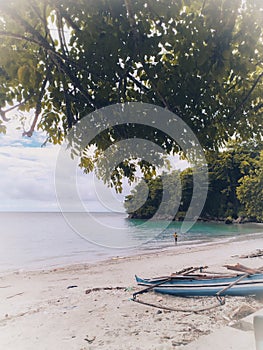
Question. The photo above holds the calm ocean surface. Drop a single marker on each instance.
(47, 240)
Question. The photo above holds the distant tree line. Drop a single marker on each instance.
(235, 188)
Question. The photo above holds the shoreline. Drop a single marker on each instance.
(222, 220)
(52, 242)
(185, 246)
(88, 306)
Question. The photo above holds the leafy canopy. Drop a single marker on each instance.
(250, 191)
(202, 60)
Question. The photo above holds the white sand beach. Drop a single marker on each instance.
(59, 308)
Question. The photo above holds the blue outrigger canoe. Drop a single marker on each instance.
(190, 286)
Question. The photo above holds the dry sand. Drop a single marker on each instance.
(55, 309)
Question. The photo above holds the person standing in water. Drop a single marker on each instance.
(175, 238)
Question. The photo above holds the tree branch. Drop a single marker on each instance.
(138, 83)
(3, 113)
(66, 16)
(162, 98)
(247, 96)
(36, 10)
(30, 132)
(234, 85)
(63, 37)
(257, 108)
(203, 7)
(61, 33)
(70, 117)
(36, 35)
(57, 58)
(75, 81)
(47, 32)
(18, 37)
(131, 17)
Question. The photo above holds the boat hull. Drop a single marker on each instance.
(250, 285)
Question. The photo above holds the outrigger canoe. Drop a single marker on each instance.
(250, 285)
(206, 285)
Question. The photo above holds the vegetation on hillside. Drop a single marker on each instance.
(235, 188)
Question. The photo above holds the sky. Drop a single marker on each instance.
(28, 177)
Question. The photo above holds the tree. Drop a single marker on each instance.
(159, 197)
(199, 59)
(250, 191)
(226, 168)
(235, 187)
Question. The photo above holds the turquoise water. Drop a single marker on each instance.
(46, 240)
(199, 233)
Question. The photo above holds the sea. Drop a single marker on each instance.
(40, 240)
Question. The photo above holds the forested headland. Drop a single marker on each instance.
(235, 190)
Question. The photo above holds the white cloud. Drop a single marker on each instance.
(26, 178)
(28, 182)
(28, 174)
